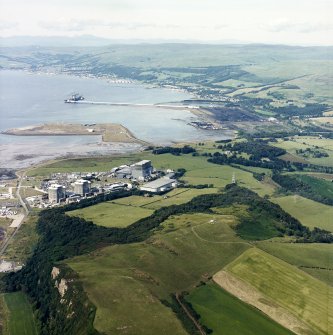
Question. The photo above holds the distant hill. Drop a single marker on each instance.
(94, 41)
(54, 41)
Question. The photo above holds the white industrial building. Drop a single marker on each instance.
(141, 170)
(56, 193)
(159, 185)
(116, 187)
(82, 187)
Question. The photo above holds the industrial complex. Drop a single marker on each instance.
(64, 188)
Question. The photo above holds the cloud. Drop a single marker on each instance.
(7, 25)
(221, 26)
(284, 25)
(68, 25)
(83, 25)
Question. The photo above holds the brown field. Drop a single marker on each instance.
(327, 119)
(325, 176)
(252, 296)
(281, 284)
(293, 158)
(328, 113)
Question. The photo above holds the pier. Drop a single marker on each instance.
(132, 104)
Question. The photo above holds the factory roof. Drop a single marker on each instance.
(142, 162)
(159, 183)
(125, 170)
(82, 181)
(55, 186)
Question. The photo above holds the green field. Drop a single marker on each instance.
(125, 282)
(221, 175)
(258, 227)
(325, 176)
(314, 143)
(319, 190)
(227, 315)
(310, 213)
(95, 164)
(251, 225)
(174, 197)
(324, 143)
(124, 303)
(109, 214)
(284, 284)
(322, 187)
(315, 259)
(22, 244)
(19, 316)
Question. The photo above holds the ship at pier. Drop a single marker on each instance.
(73, 98)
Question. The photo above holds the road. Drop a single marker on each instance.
(19, 220)
(18, 194)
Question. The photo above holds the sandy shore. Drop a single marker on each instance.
(110, 132)
(112, 139)
(22, 155)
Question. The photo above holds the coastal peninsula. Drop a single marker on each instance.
(110, 132)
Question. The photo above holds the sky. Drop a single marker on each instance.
(293, 22)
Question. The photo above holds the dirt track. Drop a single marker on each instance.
(196, 323)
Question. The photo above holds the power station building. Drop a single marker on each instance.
(56, 193)
(160, 185)
(141, 170)
(82, 187)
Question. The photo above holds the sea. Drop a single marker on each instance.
(35, 98)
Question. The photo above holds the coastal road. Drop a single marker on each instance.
(19, 220)
(18, 194)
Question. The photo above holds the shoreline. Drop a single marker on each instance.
(110, 132)
(199, 112)
(17, 154)
(21, 158)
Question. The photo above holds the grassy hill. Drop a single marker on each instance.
(297, 74)
(188, 249)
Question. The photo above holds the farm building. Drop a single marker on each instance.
(159, 185)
